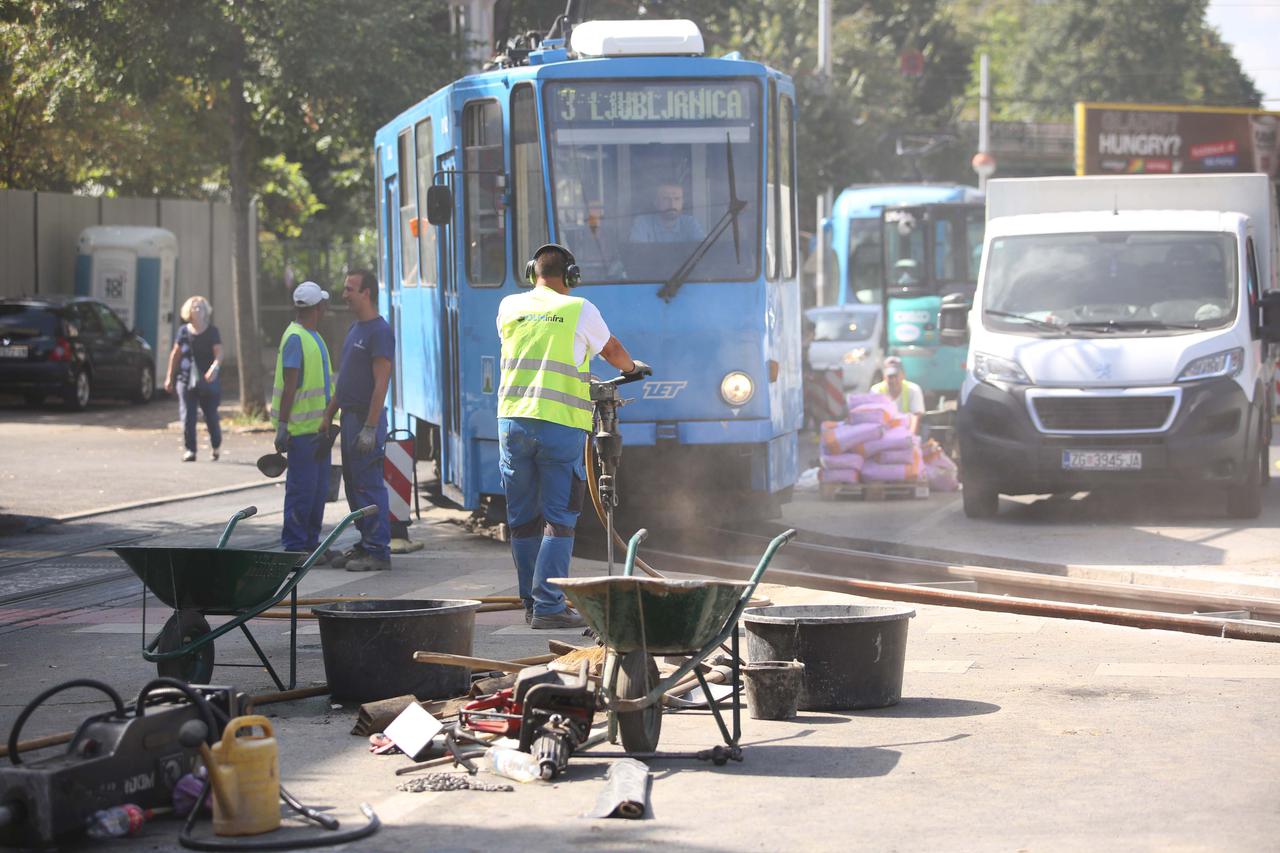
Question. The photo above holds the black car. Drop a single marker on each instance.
(74, 348)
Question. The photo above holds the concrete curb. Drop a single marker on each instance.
(221, 490)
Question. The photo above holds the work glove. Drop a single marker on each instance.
(641, 369)
(366, 440)
(282, 438)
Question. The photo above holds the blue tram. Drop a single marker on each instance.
(671, 176)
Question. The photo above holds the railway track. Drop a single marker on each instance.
(731, 554)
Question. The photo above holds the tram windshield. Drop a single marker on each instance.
(639, 163)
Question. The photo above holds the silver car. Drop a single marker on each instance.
(847, 338)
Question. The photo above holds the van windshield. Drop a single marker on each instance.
(1139, 282)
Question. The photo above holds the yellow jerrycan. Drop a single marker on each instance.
(246, 779)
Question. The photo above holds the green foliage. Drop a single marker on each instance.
(285, 200)
(1046, 56)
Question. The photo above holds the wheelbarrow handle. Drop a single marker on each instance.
(636, 538)
(366, 512)
(778, 541)
(240, 515)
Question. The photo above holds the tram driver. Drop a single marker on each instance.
(544, 415)
(670, 224)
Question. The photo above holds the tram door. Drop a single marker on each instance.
(452, 461)
(391, 275)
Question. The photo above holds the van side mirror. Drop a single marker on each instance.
(953, 319)
(1269, 309)
(439, 205)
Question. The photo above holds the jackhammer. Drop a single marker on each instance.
(608, 442)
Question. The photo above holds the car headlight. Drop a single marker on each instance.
(1226, 363)
(993, 369)
(855, 355)
(736, 388)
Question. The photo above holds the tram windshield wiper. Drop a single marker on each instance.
(730, 217)
(1039, 324)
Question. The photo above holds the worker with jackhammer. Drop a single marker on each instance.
(544, 416)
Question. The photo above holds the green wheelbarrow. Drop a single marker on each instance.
(202, 582)
(637, 618)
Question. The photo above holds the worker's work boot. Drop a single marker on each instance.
(368, 563)
(567, 618)
(340, 561)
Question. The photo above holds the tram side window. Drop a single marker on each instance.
(486, 220)
(787, 188)
(426, 232)
(975, 227)
(529, 198)
(771, 189)
(945, 251)
(408, 214)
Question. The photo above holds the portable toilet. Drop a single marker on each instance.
(132, 269)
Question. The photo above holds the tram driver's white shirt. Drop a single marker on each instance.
(590, 336)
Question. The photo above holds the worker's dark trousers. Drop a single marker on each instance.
(306, 486)
(365, 483)
(544, 478)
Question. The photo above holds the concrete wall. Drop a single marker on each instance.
(39, 233)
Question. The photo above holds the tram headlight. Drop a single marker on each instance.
(736, 388)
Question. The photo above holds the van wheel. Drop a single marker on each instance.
(1245, 501)
(981, 500)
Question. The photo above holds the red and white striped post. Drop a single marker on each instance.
(397, 472)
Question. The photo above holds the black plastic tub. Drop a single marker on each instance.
(853, 655)
(368, 647)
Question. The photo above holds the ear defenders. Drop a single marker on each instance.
(572, 275)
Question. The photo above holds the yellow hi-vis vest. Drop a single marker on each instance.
(311, 397)
(904, 396)
(539, 376)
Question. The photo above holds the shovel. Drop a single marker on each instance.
(274, 464)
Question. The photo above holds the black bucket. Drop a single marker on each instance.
(853, 655)
(369, 645)
(773, 688)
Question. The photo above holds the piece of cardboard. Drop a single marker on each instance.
(413, 730)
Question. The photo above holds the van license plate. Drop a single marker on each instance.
(1101, 460)
(18, 351)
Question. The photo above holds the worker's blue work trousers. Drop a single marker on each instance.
(306, 485)
(363, 480)
(544, 477)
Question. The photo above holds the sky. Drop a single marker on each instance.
(1252, 28)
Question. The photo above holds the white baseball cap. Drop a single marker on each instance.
(309, 293)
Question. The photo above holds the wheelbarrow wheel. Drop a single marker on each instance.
(183, 627)
(637, 675)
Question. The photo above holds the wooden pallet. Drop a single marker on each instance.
(873, 491)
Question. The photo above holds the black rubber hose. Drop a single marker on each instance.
(206, 710)
(40, 700)
(187, 840)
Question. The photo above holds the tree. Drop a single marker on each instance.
(252, 67)
(1047, 56)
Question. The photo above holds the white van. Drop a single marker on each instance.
(1120, 334)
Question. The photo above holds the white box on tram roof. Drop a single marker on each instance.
(637, 38)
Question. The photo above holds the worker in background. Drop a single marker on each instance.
(361, 394)
(298, 403)
(896, 386)
(544, 415)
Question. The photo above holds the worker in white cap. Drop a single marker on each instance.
(907, 394)
(298, 401)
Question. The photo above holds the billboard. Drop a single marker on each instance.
(1113, 139)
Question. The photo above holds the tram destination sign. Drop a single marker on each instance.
(1152, 139)
(676, 102)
